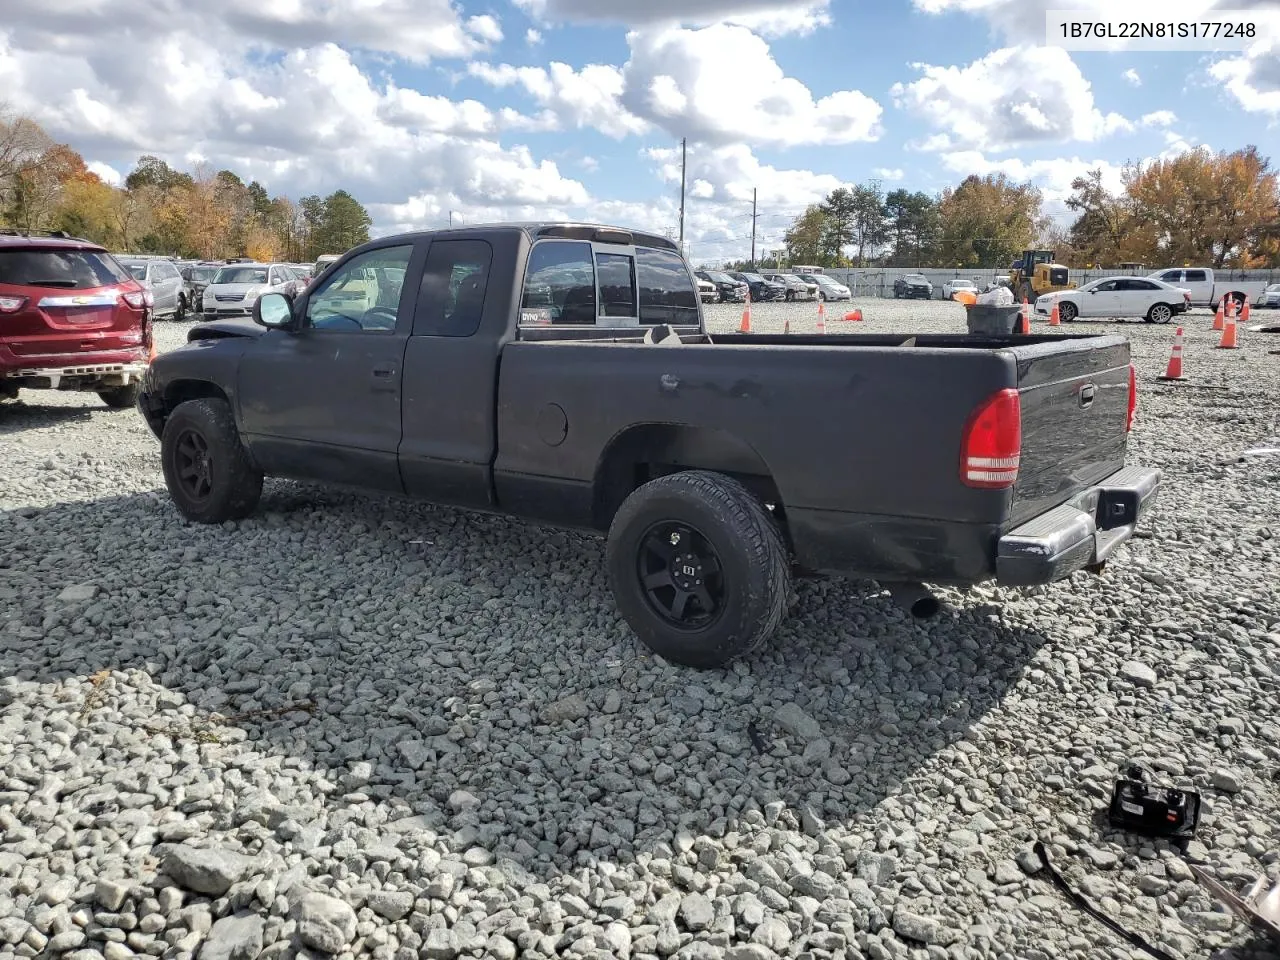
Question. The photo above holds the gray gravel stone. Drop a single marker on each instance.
(235, 937)
(390, 905)
(205, 871)
(796, 722)
(111, 893)
(772, 933)
(912, 926)
(325, 923)
(1139, 674)
(1227, 781)
(696, 912)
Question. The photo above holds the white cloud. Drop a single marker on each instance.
(1053, 176)
(1132, 76)
(1253, 78)
(1012, 97)
(770, 18)
(579, 98)
(106, 173)
(590, 164)
(533, 37)
(1159, 118)
(889, 173)
(720, 84)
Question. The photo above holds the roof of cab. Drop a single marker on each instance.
(548, 229)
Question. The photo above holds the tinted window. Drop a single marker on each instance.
(1196, 276)
(617, 291)
(451, 298)
(1171, 276)
(363, 295)
(559, 284)
(667, 294)
(1107, 286)
(65, 269)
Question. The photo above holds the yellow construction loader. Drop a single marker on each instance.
(1036, 274)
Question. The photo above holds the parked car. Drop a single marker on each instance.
(198, 276)
(952, 287)
(236, 286)
(71, 318)
(796, 289)
(1154, 300)
(728, 289)
(576, 404)
(1206, 289)
(762, 290)
(161, 276)
(707, 291)
(322, 262)
(828, 287)
(912, 285)
(1271, 297)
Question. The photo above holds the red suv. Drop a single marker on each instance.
(71, 318)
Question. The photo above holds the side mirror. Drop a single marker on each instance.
(273, 311)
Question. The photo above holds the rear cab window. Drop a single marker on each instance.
(63, 269)
(577, 283)
(452, 293)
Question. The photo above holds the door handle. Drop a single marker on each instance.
(384, 377)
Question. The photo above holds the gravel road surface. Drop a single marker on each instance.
(352, 726)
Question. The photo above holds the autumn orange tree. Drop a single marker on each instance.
(158, 209)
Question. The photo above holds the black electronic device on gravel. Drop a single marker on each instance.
(1153, 810)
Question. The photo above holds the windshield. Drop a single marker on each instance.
(203, 273)
(241, 275)
(722, 278)
(1274, 288)
(66, 269)
(916, 278)
(138, 270)
(754, 277)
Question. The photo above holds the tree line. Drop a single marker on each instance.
(203, 214)
(1214, 209)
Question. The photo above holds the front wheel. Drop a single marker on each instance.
(206, 468)
(698, 567)
(1067, 312)
(1160, 313)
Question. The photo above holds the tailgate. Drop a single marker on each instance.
(1075, 408)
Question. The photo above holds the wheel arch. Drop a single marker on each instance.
(644, 451)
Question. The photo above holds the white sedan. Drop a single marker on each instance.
(1153, 300)
(952, 287)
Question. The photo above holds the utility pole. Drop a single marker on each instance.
(451, 218)
(754, 216)
(684, 157)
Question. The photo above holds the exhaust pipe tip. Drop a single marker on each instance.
(916, 599)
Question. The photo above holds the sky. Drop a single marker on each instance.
(486, 110)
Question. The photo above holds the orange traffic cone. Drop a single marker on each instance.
(1244, 312)
(1219, 323)
(1174, 370)
(1231, 306)
(1055, 319)
(746, 316)
(822, 316)
(786, 325)
(1229, 335)
(853, 316)
(1024, 321)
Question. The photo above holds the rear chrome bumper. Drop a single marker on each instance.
(1082, 533)
(109, 374)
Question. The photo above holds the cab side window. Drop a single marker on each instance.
(559, 284)
(667, 294)
(363, 295)
(454, 283)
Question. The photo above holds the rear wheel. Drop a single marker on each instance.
(698, 567)
(791, 295)
(1160, 313)
(1067, 311)
(181, 312)
(206, 468)
(120, 398)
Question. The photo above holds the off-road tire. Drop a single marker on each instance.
(121, 398)
(235, 483)
(750, 549)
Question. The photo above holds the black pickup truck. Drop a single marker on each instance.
(562, 372)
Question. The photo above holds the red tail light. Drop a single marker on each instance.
(992, 447)
(1133, 398)
(143, 298)
(12, 304)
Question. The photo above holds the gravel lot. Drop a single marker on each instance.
(482, 762)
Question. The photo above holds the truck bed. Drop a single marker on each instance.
(858, 434)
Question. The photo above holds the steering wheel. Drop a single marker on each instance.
(374, 316)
